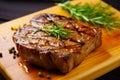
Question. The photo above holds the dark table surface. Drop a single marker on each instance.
(11, 9)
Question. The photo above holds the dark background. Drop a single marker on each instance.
(11, 9)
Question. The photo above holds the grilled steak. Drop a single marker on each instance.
(50, 52)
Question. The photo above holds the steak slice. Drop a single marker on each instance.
(50, 52)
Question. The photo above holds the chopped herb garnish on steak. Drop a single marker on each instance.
(57, 31)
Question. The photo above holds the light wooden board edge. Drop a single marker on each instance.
(104, 70)
(4, 73)
(100, 69)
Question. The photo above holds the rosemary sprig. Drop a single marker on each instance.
(97, 14)
(56, 31)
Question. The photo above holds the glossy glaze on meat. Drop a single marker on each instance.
(52, 53)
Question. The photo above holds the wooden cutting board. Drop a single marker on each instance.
(100, 61)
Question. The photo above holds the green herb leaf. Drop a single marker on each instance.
(97, 14)
(56, 31)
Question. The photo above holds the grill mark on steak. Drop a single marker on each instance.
(63, 54)
(49, 18)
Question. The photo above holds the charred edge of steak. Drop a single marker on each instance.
(51, 53)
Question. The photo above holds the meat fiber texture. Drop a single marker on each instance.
(52, 53)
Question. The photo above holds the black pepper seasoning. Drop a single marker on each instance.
(17, 54)
(14, 52)
(48, 76)
(11, 50)
(14, 57)
(1, 55)
(40, 74)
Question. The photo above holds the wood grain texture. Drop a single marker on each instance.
(100, 61)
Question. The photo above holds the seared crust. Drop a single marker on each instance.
(52, 53)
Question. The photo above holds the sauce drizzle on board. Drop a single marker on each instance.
(99, 62)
